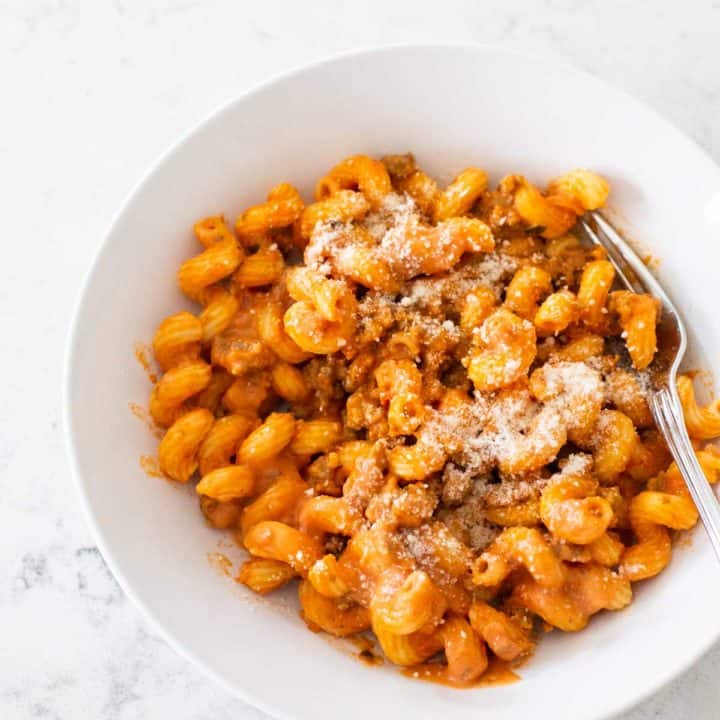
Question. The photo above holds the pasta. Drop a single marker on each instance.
(263, 576)
(427, 408)
(212, 265)
(283, 207)
(178, 384)
(702, 423)
(220, 515)
(221, 444)
(179, 447)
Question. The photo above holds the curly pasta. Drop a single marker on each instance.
(212, 265)
(177, 338)
(703, 422)
(638, 316)
(507, 349)
(656, 511)
(460, 195)
(416, 404)
(283, 207)
(178, 450)
(569, 508)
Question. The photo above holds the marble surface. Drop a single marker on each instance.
(93, 92)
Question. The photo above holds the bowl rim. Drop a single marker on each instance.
(246, 693)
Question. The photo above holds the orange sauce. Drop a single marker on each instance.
(142, 355)
(705, 378)
(651, 261)
(142, 414)
(150, 466)
(226, 542)
(367, 657)
(366, 650)
(221, 562)
(498, 672)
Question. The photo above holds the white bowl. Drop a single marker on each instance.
(452, 107)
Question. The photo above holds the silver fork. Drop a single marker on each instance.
(672, 343)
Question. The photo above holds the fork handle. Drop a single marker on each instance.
(667, 411)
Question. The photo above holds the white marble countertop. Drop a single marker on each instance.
(93, 91)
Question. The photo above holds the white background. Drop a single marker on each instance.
(91, 93)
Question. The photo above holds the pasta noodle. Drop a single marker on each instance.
(427, 408)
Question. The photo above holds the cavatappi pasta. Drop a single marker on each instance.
(428, 407)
